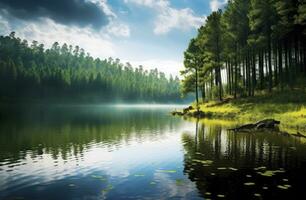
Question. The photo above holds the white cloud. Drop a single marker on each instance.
(216, 4)
(104, 7)
(115, 27)
(169, 18)
(4, 25)
(46, 31)
(118, 29)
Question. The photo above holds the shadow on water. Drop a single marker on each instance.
(232, 165)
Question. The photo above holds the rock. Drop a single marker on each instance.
(263, 124)
(267, 123)
(186, 110)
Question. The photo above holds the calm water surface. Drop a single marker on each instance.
(118, 152)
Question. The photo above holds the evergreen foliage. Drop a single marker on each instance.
(29, 71)
(250, 46)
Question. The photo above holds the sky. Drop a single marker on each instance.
(152, 33)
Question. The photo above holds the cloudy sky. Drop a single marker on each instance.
(153, 33)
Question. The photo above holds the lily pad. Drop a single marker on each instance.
(167, 171)
(97, 176)
(207, 193)
(108, 188)
(221, 168)
(221, 195)
(139, 175)
(260, 168)
(270, 173)
(179, 182)
(232, 168)
(249, 184)
(283, 187)
(205, 162)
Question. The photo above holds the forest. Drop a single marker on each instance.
(249, 47)
(31, 72)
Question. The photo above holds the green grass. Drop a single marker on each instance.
(289, 107)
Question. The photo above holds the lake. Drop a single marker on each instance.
(141, 152)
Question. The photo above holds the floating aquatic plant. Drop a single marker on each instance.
(167, 171)
(205, 162)
(139, 175)
(179, 182)
(260, 168)
(249, 184)
(284, 187)
(270, 173)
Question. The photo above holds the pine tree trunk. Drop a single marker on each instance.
(236, 78)
(254, 73)
(280, 65)
(261, 78)
(230, 77)
(275, 65)
(270, 66)
(196, 88)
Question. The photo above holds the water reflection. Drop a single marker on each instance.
(244, 165)
(100, 152)
(94, 150)
(63, 131)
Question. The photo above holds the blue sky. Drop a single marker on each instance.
(152, 33)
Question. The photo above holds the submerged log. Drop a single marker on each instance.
(263, 124)
(298, 134)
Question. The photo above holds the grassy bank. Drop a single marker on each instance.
(288, 107)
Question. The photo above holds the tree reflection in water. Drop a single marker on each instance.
(244, 165)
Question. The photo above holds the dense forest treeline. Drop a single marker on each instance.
(250, 46)
(29, 71)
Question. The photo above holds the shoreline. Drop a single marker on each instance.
(291, 114)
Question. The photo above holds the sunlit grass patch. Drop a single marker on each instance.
(288, 107)
(221, 109)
